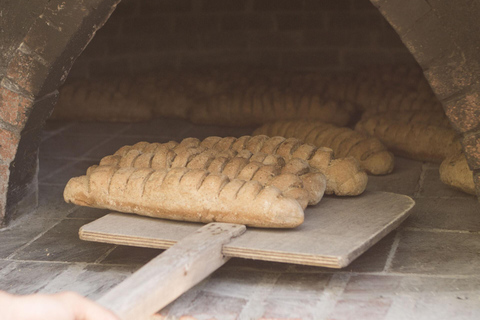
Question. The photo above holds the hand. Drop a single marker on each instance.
(60, 306)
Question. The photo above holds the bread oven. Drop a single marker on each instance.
(41, 41)
(39, 49)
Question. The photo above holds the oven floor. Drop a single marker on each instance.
(429, 268)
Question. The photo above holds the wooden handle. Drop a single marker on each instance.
(171, 273)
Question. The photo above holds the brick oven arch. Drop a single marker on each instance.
(41, 40)
(442, 36)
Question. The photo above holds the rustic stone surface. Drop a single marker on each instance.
(437, 253)
(471, 145)
(435, 213)
(15, 22)
(432, 189)
(428, 268)
(28, 70)
(61, 243)
(404, 178)
(450, 79)
(4, 173)
(464, 112)
(426, 39)
(406, 12)
(14, 107)
(8, 145)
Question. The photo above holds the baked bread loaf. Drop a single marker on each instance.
(416, 141)
(295, 153)
(410, 77)
(433, 118)
(454, 171)
(106, 99)
(294, 178)
(372, 155)
(184, 194)
(255, 105)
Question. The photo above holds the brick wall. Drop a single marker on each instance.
(328, 35)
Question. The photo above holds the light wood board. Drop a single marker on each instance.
(334, 233)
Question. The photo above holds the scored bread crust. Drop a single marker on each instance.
(184, 194)
(294, 178)
(369, 151)
(417, 141)
(242, 106)
(319, 159)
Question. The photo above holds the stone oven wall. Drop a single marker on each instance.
(39, 42)
(41, 39)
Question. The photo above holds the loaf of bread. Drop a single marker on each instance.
(373, 96)
(416, 141)
(454, 171)
(112, 99)
(257, 105)
(294, 178)
(372, 155)
(410, 77)
(296, 154)
(184, 194)
(433, 118)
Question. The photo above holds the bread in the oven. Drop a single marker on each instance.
(455, 172)
(242, 106)
(301, 159)
(434, 118)
(372, 155)
(184, 194)
(106, 99)
(418, 141)
(294, 178)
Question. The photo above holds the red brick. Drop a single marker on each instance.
(370, 307)
(291, 21)
(197, 23)
(337, 5)
(310, 59)
(149, 7)
(8, 145)
(277, 5)
(2, 208)
(234, 22)
(276, 40)
(27, 72)
(4, 173)
(224, 5)
(13, 107)
(354, 21)
(464, 113)
(471, 145)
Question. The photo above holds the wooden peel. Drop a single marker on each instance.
(335, 232)
(171, 273)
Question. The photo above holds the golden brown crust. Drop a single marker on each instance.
(107, 99)
(220, 158)
(417, 141)
(250, 105)
(184, 194)
(455, 172)
(369, 151)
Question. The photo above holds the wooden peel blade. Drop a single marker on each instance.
(171, 273)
